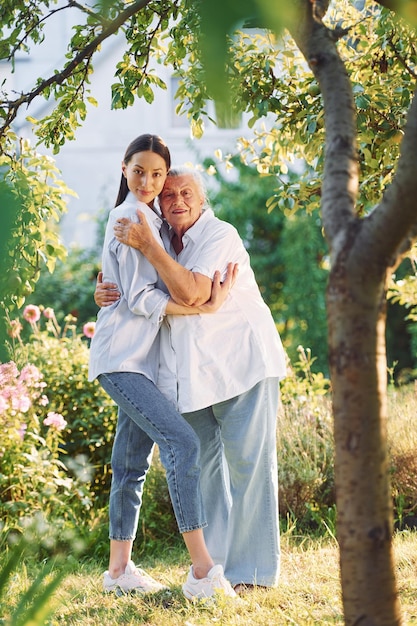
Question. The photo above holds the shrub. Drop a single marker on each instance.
(305, 447)
(70, 289)
(64, 472)
(305, 466)
(402, 441)
(306, 450)
(32, 476)
(62, 354)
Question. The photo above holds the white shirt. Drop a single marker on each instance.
(126, 337)
(209, 358)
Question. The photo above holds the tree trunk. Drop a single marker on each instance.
(356, 314)
(361, 251)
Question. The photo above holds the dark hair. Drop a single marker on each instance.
(143, 143)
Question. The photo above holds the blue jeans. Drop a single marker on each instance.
(147, 417)
(239, 483)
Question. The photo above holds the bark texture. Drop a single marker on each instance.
(364, 252)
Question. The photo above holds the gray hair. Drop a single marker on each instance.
(183, 170)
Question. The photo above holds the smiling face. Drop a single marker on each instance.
(181, 202)
(145, 175)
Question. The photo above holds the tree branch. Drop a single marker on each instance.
(396, 214)
(60, 77)
(340, 179)
(70, 5)
(401, 58)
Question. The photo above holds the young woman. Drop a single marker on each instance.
(124, 356)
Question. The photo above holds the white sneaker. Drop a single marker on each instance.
(215, 582)
(134, 579)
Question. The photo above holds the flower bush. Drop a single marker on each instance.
(61, 354)
(32, 476)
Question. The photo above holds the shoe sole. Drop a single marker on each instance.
(119, 591)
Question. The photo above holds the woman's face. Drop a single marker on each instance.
(181, 202)
(145, 175)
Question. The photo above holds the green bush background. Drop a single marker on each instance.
(68, 479)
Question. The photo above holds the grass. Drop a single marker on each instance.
(309, 589)
(308, 592)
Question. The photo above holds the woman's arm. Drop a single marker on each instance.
(185, 287)
(219, 293)
(107, 293)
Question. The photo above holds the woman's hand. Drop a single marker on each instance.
(220, 290)
(105, 293)
(136, 235)
(219, 293)
(185, 287)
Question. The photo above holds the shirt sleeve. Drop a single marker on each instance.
(217, 246)
(136, 280)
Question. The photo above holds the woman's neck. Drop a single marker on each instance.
(176, 242)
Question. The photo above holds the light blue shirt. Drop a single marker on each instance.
(126, 337)
(209, 358)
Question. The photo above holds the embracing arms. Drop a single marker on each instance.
(186, 287)
(107, 293)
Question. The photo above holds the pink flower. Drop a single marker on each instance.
(3, 405)
(8, 371)
(49, 313)
(7, 391)
(30, 374)
(22, 430)
(21, 403)
(55, 420)
(43, 400)
(32, 313)
(89, 329)
(14, 329)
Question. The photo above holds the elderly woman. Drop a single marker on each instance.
(222, 373)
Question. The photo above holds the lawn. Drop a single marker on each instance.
(308, 593)
(33, 482)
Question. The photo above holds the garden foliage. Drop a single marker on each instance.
(58, 430)
(61, 354)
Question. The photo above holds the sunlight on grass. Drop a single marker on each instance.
(402, 432)
(405, 550)
(308, 593)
